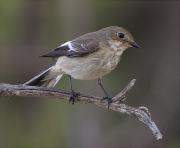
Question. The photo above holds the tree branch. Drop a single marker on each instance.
(141, 113)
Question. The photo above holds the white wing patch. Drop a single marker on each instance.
(82, 45)
(69, 45)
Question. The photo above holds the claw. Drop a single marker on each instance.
(109, 100)
(73, 97)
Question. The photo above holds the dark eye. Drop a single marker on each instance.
(120, 35)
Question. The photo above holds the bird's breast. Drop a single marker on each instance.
(113, 61)
(91, 66)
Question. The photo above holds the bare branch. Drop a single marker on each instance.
(141, 113)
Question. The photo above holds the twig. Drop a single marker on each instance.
(142, 113)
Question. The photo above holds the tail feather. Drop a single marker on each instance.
(45, 79)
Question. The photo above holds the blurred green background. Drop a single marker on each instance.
(29, 28)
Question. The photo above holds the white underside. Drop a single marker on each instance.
(91, 66)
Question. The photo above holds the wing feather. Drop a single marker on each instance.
(75, 48)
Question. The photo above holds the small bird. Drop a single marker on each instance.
(90, 56)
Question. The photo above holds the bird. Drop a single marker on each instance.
(90, 56)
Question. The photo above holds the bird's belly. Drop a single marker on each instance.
(88, 67)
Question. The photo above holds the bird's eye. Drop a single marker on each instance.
(120, 35)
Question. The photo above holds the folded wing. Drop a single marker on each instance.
(75, 48)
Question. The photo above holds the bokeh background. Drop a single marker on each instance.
(29, 28)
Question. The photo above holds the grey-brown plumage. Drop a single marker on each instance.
(90, 56)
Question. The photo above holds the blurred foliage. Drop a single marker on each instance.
(29, 28)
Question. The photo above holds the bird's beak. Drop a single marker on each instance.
(134, 44)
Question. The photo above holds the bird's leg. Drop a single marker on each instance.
(73, 94)
(107, 97)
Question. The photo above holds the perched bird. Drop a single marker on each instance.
(90, 56)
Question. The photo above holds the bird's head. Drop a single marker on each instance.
(120, 37)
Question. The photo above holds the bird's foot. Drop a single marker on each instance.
(109, 100)
(73, 97)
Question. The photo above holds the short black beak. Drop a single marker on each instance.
(134, 44)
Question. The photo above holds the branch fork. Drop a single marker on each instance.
(141, 113)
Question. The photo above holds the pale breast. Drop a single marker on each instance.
(91, 66)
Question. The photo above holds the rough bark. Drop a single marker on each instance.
(141, 113)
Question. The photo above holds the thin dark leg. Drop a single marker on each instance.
(107, 96)
(72, 98)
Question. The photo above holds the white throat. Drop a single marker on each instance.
(117, 47)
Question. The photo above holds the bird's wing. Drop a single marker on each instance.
(75, 48)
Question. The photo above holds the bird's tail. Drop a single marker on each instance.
(48, 78)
